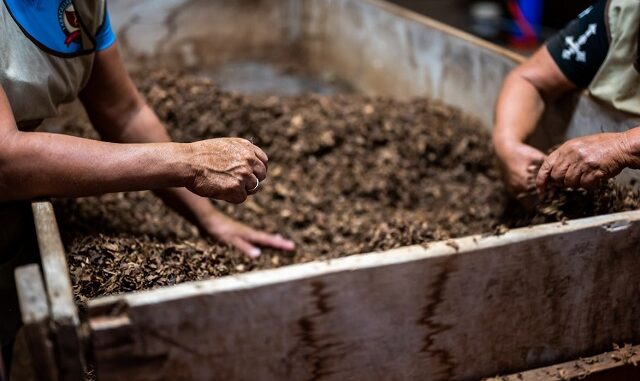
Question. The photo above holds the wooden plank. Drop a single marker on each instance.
(35, 358)
(383, 49)
(529, 298)
(178, 33)
(411, 55)
(476, 42)
(23, 367)
(34, 306)
(54, 264)
(64, 313)
(620, 364)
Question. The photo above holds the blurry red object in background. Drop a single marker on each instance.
(527, 14)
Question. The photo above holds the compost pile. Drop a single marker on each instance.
(348, 174)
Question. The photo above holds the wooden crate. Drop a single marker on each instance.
(621, 364)
(458, 310)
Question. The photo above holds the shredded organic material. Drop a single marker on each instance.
(348, 174)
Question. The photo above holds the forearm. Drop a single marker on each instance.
(224, 167)
(519, 109)
(34, 164)
(521, 104)
(145, 127)
(195, 209)
(631, 144)
(119, 113)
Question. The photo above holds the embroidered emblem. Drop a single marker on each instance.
(574, 46)
(69, 22)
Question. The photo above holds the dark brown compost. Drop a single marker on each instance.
(348, 174)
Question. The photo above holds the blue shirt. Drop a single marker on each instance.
(54, 26)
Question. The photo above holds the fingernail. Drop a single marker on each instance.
(255, 253)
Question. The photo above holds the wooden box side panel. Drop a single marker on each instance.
(532, 298)
(385, 50)
(199, 34)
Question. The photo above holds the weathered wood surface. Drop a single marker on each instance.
(380, 48)
(64, 313)
(530, 298)
(618, 365)
(34, 305)
(202, 33)
(383, 49)
(34, 355)
(54, 263)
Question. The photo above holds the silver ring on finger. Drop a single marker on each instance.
(256, 187)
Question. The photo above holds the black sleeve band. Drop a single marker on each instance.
(582, 46)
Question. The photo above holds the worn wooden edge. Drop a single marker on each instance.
(54, 264)
(32, 296)
(465, 245)
(479, 308)
(438, 25)
(294, 10)
(517, 58)
(36, 331)
(64, 312)
(620, 364)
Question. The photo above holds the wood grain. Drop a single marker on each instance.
(620, 364)
(64, 313)
(530, 298)
(34, 355)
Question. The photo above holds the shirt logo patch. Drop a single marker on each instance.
(574, 46)
(69, 22)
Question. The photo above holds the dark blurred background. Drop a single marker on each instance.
(472, 16)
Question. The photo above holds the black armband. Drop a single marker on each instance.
(581, 47)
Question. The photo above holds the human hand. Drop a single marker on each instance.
(228, 169)
(243, 237)
(519, 163)
(585, 161)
